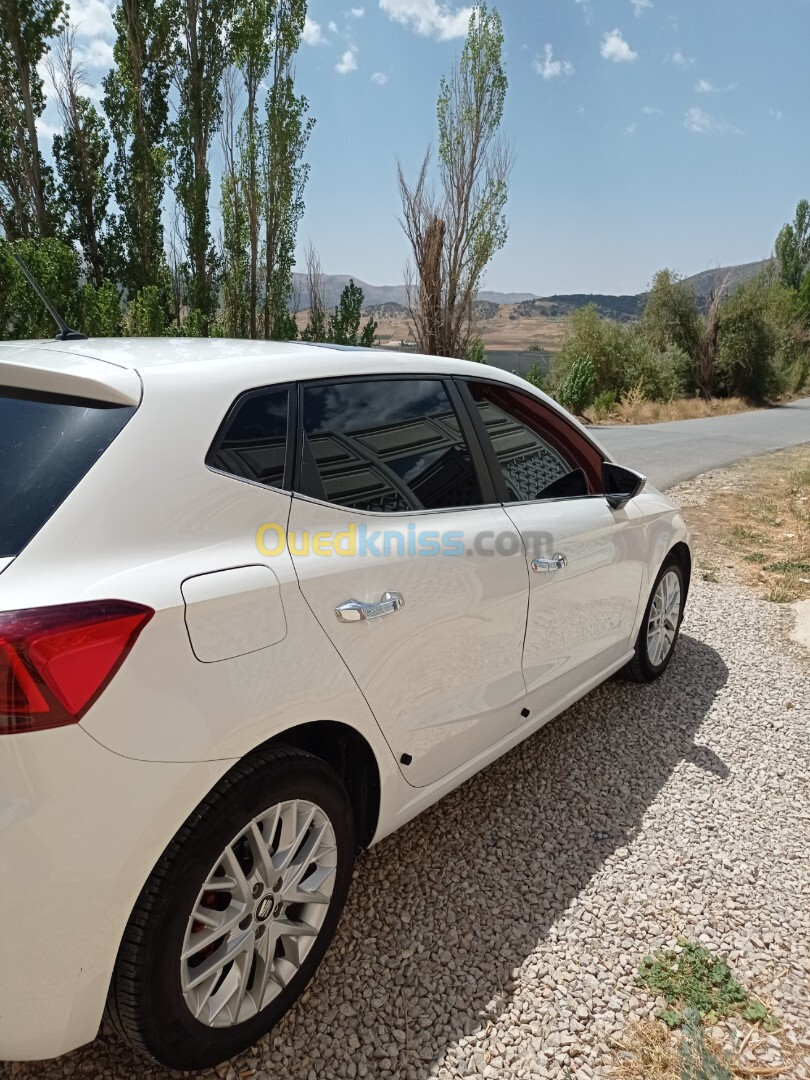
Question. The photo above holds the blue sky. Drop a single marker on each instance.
(648, 133)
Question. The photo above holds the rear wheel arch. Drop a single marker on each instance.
(352, 758)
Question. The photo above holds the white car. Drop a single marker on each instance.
(260, 605)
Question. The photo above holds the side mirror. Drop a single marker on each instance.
(620, 485)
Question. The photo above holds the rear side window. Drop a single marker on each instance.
(385, 445)
(253, 442)
(47, 444)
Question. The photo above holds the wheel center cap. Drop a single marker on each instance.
(265, 908)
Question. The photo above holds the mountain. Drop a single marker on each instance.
(732, 276)
(375, 295)
(391, 300)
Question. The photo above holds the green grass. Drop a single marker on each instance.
(690, 978)
(788, 567)
(756, 557)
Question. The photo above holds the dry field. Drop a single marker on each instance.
(506, 330)
(756, 523)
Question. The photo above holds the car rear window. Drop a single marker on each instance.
(47, 444)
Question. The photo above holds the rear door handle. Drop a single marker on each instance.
(556, 562)
(358, 611)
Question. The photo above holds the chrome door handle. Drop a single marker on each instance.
(556, 562)
(357, 611)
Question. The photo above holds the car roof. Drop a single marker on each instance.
(232, 364)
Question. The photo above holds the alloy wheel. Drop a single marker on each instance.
(258, 913)
(662, 625)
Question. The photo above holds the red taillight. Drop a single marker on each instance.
(55, 661)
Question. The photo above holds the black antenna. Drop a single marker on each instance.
(65, 333)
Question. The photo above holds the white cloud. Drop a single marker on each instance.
(46, 130)
(615, 48)
(98, 53)
(333, 29)
(777, 114)
(703, 86)
(357, 12)
(703, 124)
(631, 130)
(92, 18)
(347, 62)
(379, 78)
(586, 7)
(313, 35)
(640, 6)
(549, 68)
(681, 61)
(429, 17)
(652, 110)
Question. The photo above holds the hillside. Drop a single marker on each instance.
(513, 321)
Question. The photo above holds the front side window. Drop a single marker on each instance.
(539, 455)
(253, 443)
(385, 445)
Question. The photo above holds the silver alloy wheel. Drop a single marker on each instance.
(258, 913)
(665, 611)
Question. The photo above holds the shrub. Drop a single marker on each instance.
(671, 316)
(604, 404)
(577, 392)
(747, 343)
(100, 310)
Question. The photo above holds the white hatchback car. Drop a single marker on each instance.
(261, 604)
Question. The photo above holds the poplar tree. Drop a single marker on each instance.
(80, 152)
(136, 103)
(27, 194)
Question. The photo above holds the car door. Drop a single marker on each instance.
(585, 560)
(411, 566)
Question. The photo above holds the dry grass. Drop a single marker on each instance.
(634, 409)
(757, 522)
(649, 1051)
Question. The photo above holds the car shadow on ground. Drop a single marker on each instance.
(442, 912)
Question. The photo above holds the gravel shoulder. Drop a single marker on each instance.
(500, 933)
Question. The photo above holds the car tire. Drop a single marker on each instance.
(660, 626)
(170, 958)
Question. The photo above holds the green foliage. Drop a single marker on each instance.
(136, 104)
(146, 315)
(55, 266)
(622, 358)
(80, 151)
(690, 978)
(28, 204)
(746, 346)
(285, 136)
(100, 310)
(671, 316)
(792, 248)
(699, 1063)
(344, 325)
(537, 377)
(577, 392)
(476, 351)
(198, 57)
(604, 403)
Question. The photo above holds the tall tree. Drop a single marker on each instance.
(454, 236)
(252, 41)
(235, 256)
(80, 152)
(284, 175)
(136, 102)
(201, 30)
(26, 183)
(793, 248)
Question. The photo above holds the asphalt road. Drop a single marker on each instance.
(675, 451)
